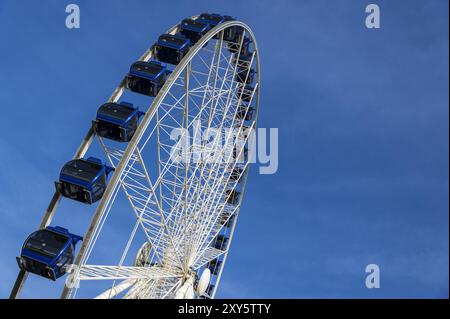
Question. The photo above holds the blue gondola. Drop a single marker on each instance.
(245, 93)
(214, 266)
(233, 46)
(171, 48)
(244, 113)
(242, 77)
(241, 155)
(221, 242)
(83, 180)
(234, 35)
(210, 290)
(243, 58)
(245, 131)
(146, 77)
(232, 196)
(194, 29)
(226, 219)
(236, 174)
(48, 251)
(213, 19)
(117, 122)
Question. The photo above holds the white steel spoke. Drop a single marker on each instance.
(97, 272)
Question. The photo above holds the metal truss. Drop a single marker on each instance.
(178, 189)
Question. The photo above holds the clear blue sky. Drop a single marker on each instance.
(363, 121)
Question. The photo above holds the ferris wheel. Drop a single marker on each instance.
(175, 171)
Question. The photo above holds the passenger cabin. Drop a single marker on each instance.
(146, 78)
(171, 48)
(245, 93)
(213, 19)
(236, 174)
(83, 180)
(226, 219)
(194, 29)
(221, 242)
(245, 113)
(244, 59)
(210, 290)
(244, 132)
(117, 122)
(232, 196)
(234, 45)
(240, 155)
(48, 251)
(214, 266)
(232, 34)
(244, 75)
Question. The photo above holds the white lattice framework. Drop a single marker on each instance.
(179, 207)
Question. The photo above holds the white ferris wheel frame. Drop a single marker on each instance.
(138, 277)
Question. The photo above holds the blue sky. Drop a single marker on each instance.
(363, 122)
